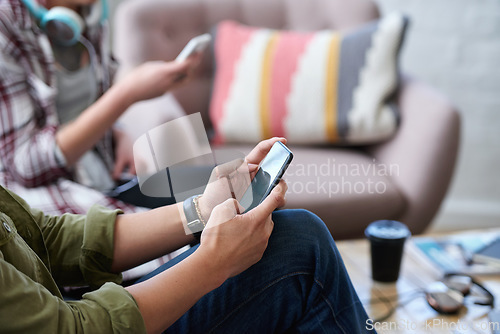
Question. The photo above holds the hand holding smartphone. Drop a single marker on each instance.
(195, 45)
(269, 174)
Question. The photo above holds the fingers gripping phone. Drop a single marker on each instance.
(269, 174)
(196, 44)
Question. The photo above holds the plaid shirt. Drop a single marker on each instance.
(28, 120)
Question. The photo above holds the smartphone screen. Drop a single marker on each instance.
(268, 175)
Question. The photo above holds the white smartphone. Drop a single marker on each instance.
(269, 174)
(196, 44)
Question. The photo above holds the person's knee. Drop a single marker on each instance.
(300, 222)
(302, 240)
(303, 229)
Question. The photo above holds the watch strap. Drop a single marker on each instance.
(194, 222)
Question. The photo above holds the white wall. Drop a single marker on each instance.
(455, 46)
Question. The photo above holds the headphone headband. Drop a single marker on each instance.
(37, 10)
(62, 25)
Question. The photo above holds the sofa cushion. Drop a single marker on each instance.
(311, 87)
(347, 188)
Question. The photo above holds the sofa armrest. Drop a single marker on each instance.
(424, 150)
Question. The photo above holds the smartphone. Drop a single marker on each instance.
(196, 44)
(269, 174)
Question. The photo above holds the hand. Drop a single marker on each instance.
(227, 181)
(124, 155)
(155, 78)
(231, 242)
(259, 152)
(230, 180)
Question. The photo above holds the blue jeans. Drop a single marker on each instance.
(299, 286)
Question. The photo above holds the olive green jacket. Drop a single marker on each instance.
(38, 253)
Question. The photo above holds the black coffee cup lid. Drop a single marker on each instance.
(387, 230)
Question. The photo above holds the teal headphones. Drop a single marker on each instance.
(62, 25)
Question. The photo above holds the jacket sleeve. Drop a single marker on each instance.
(80, 247)
(27, 137)
(27, 307)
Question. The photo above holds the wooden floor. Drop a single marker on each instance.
(415, 315)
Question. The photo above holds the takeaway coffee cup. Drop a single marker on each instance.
(387, 239)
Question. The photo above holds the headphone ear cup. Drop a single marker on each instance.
(62, 25)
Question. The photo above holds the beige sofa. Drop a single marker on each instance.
(410, 173)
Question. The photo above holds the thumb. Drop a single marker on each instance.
(270, 203)
(179, 66)
(118, 168)
(131, 166)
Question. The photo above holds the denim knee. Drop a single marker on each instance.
(303, 240)
(300, 222)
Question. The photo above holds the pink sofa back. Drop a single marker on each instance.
(159, 29)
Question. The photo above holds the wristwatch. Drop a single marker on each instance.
(195, 222)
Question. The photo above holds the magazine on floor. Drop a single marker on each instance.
(469, 253)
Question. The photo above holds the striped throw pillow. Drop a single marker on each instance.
(311, 87)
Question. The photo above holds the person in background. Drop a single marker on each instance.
(262, 271)
(60, 148)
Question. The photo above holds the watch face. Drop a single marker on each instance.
(195, 226)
